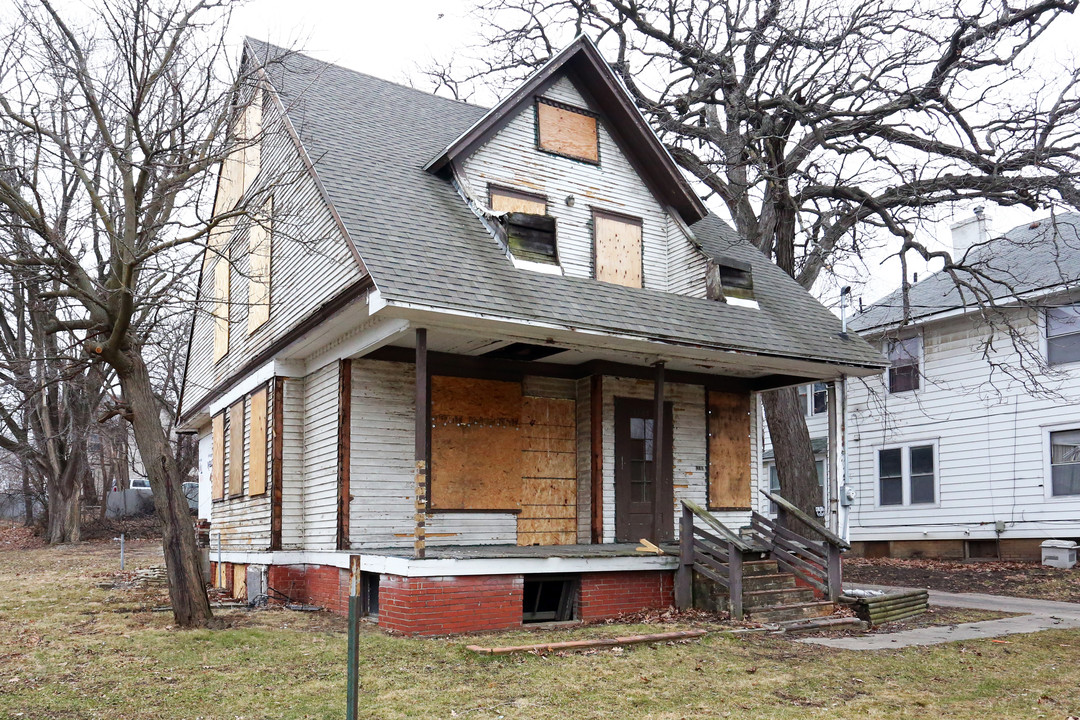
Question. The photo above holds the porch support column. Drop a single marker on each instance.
(423, 442)
(832, 507)
(658, 453)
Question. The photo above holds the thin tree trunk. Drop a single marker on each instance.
(191, 608)
(28, 500)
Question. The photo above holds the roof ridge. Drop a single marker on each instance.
(361, 73)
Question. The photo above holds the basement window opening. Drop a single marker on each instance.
(549, 599)
(369, 594)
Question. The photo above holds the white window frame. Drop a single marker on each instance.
(1043, 323)
(922, 363)
(905, 473)
(770, 464)
(1048, 480)
(807, 399)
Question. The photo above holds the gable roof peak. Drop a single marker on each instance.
(625, 123)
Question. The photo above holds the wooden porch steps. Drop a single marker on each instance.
(794, 611)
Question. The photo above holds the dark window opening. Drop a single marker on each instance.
(1063, 334)
(904, 357)
(369, 594)
(890, 477)
(1065, 462)
(531, 237)
(729, 278)
(548, 599)
(524, 351)
(821, 398)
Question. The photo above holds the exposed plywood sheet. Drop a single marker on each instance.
(476, 444)
(236, 448)
(217, 476)
(222, 279)
(258, 445)
(549, 472)
(239, 584)
(729, 450)
(508, 201)
(567, 132)
(259, 252)
(618, 250)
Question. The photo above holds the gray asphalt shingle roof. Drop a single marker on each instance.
(1022, 260)
(369, 140)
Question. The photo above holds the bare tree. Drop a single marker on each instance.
(824, 126)
(130, 110)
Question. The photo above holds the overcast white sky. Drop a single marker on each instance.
(392, 39)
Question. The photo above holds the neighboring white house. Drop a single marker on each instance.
(970, 446)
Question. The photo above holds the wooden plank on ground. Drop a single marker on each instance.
(586, 644)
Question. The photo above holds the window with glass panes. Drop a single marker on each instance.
(1063, 334)
(906, 475)
(1065, 462)
(904, 356)
(774, 483)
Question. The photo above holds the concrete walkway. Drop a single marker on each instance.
(1038, 615)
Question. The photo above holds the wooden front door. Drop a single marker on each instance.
(635, 493)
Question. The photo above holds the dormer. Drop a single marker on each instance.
(570, 179)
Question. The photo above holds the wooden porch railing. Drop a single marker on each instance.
(709, 548)
(715, 552)
(817, 562)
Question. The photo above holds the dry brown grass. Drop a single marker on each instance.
(72, 649)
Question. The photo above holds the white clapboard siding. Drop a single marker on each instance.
(382, 478)
(689, 447)
(687, 264)
(470, 529)
(320, 458)
(511, 159)
(292, 465)
(583, 420)
(306, 245)
(243, 522)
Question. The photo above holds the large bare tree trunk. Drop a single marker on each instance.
(793, 453)
(191, 608)
(65, 503)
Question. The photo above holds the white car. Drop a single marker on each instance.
(140, 484)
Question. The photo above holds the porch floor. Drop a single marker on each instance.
(470, 552)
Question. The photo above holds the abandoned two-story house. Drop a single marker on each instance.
(466, 359)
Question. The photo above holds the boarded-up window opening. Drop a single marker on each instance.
(236, 449)
(729, 278)
(729, 450)
(240, 168)
(476, 447)
(260, 242)
(548, 599)
(258, 447)
(217, 476)
(222, 281)
(566, 130)
(617, 243)
(531, 237)
(505, 200)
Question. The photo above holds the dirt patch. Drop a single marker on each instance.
(995, 578)
(97, 529)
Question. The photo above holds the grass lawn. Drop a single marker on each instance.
(71, 649)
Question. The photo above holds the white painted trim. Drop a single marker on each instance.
(1048, 479)
(370, 335)
(449, 567)
(545, 268)
(742, 302)
(905, 472)
(376, 302)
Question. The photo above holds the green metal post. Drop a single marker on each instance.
(353, 663)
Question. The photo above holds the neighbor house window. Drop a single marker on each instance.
(906, 476)
(814, 399)
(774, 483)
(1065, 462)
(904, 356)
(1063, 334)
(565, 130)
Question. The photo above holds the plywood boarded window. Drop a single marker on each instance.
(220, 240)
(549, 472)
(259, 249)
(565, 130)
(236, 449)
(250, 136)
(729, 450)
(240, 167)
(515, 201)
(217, 473)
(617, 242)
(476, 446)
(258, 444)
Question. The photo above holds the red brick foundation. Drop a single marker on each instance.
(322, 585)
(609, 594)
(475, 603)
(444, 605)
